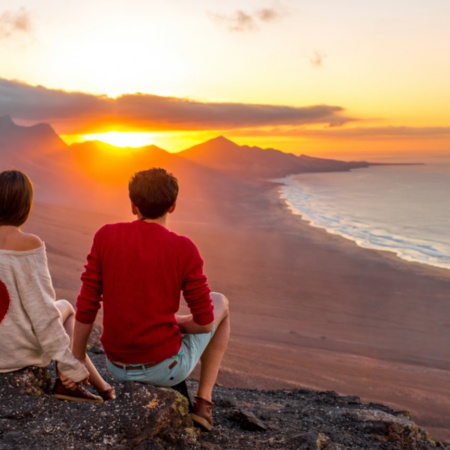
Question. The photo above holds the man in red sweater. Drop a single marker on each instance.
(138, 270)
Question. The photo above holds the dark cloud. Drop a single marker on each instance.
(242, 21)
(317, 59)
(15, 22)
(72, 112)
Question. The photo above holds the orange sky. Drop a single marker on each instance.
(322, 78)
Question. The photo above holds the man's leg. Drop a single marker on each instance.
(211, 358)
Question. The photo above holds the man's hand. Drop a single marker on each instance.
(188, 326)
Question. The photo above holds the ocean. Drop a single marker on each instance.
(403, 208)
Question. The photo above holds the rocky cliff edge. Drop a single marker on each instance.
(145, 417)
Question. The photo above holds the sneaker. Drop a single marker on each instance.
(108, 394)
(202, 413)
(78, 395)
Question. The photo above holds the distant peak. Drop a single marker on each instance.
(6, 123)
(43, 126)
(221, 139)
(6, 120)
(154, 148)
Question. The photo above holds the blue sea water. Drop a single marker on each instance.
(404, 209)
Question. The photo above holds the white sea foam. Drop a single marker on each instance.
(404, 209)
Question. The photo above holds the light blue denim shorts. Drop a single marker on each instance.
(166, 373)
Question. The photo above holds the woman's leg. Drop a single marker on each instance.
(68, 319)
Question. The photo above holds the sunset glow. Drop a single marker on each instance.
(121, 139)
(318, 78)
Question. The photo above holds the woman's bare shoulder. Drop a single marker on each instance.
(21, 242)
(30, 241)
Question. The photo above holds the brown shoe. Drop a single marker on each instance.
(202, 413)
(78, 395)
(108, 394)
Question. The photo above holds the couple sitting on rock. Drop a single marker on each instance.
(138, 271)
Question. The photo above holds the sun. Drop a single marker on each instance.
(123, 139)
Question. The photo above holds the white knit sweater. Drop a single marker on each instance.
(31, 332)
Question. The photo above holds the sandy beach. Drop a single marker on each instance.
(309, 309)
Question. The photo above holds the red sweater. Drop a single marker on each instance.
(138, 271)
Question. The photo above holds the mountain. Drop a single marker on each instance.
(41, 153)
(112, 165)
(222, 154)
(94, 175)
(40, 139)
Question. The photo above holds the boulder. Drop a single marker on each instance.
(145, 417)
(142, 416)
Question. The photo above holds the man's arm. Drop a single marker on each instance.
(196, 293)
(81, 333)
(188, 326)
(88, 303)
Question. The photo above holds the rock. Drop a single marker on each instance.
(145, 417)
(141, 417)
(149, 414)
(309, 441)
(31, 380)
(247, 420)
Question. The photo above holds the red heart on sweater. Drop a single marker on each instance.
(4, 301)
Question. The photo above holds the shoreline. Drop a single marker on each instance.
(367, 247)
(433, 270)
(402, 246)
(419, 282)
(309, 309)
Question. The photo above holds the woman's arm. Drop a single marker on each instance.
(38, 299)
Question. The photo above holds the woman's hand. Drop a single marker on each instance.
(72, 385)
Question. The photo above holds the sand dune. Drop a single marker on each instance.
(308, 308)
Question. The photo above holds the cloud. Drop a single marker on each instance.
(238, 21)
(317, 59)
(389, 132)
(15, 22)
(357, 133)
(77, 112)
(242, 21)
(268, 14)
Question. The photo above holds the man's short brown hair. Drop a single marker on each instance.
(153, 192)
(16, 196)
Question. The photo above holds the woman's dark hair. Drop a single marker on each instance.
(16, 196)
(153, 191)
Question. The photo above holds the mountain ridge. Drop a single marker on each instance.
(215, 146)
(223, 154)
(93, 174)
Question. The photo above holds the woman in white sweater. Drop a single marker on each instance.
(35, 328)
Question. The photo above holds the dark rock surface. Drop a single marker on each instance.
(144, 417)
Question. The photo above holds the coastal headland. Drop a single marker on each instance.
(309, 309)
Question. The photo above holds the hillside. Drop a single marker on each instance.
(94, 175)
(222, 154)
(309, 309)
